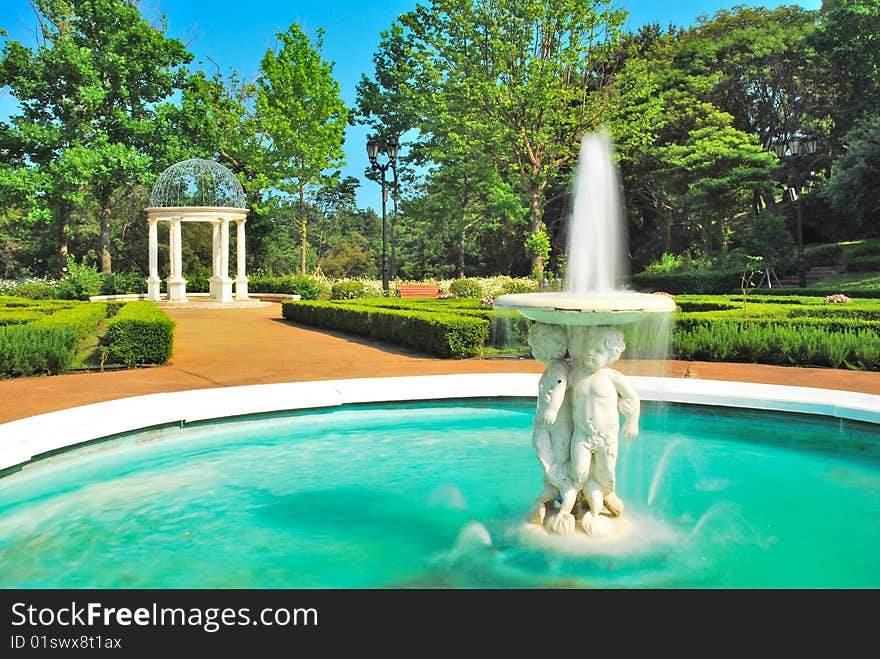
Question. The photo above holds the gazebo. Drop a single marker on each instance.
(198, 190)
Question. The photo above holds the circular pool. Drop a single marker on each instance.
(433, 494)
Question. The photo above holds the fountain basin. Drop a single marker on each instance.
(320, 503)
(564, 308)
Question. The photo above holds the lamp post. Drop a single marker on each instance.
(390, 148)
(797, 146)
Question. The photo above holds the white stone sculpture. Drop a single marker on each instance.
(577, 425)
(552, 425)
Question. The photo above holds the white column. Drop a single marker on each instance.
(241, 280)
(215, 250)
(153, 280)
(225, 281)
(176, 282)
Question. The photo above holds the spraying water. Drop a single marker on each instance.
(596, 227)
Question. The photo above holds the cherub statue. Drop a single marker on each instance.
(552, 428)
(599, 395)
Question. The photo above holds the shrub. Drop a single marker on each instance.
(347, 289)
(466, 288)
(707, 282)
(140, 333)
(439, 333)
(518, 286)
(122, 283)
(34, 290)
(827, 254)
(80, 283)
(48, 344)
(19, 316)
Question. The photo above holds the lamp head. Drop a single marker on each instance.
(391, 147)
(372, 149)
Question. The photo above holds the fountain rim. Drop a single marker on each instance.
(27, 441)
(599, 308)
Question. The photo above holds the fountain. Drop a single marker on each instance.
(578, 334)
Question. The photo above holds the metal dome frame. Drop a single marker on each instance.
(197, 182)
(198, 190)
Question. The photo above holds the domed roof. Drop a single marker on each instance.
(197, 182)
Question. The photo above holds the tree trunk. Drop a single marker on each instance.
(106, 263)
(64, 211)
(302, 226)
(536, 215)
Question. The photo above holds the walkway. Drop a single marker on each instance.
(229, 347)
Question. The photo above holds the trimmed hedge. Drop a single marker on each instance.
(437, 333)
(48, 345)
(19, 316)
(708, 282)
(779, 344)
(140, 333)
(819, 292)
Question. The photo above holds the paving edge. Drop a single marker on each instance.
(26, 439)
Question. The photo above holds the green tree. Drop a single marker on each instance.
(298, 104)
(713, 174)
(520, 82)
(848, 36)
(854, 187)
(87, 93)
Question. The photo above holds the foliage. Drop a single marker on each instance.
(35, 290)
(80, 282)
(854, 187)
(347, 290)
(434, 332)
(88, 126)
(299, 105)
(47, 345)
(140, 333)
(466, 288)
(695, 283)
(768, 237)
(121, 283)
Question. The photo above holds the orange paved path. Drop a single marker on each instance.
(227, 347)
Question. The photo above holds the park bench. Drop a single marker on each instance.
(418, 290)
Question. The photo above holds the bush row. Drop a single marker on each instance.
(706, 282)
(47, 345)
(779, 344)
(818, 292)
(437, 333)
(140, 333)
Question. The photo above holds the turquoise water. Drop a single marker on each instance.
(392, 497)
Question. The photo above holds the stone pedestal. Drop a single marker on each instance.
(176, 289)
(241, 289)
(153, 285)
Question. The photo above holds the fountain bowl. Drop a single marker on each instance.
(566, 308)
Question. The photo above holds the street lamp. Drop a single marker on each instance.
(390, 148)
(797, 146)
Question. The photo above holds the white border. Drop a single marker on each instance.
(24, 439)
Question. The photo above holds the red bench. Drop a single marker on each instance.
(418, 290)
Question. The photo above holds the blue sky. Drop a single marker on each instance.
(236, 34)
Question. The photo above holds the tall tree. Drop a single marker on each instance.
(87, 93)
(848, 37)
(519, 82)
(299, 105)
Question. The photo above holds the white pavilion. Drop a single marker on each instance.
(198, 190)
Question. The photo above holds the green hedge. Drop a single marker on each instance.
(19, 316)
(140, 333)
(706, 282)
(828, 289)
(48, 344)
(785, 345)
(306, 286)
(437, 333)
